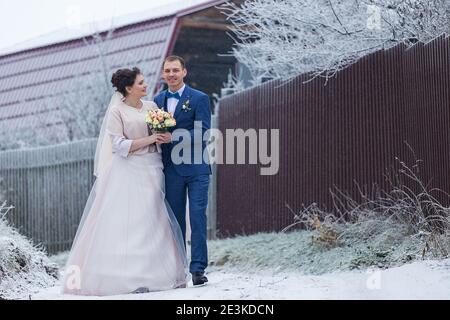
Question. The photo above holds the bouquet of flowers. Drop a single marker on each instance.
(159, 120)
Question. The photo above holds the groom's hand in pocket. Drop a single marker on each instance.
(165, 137)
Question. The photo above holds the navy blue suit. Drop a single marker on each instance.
(189, 179)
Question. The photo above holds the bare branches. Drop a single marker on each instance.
(336, 16)
(281, 39)
(4, 209)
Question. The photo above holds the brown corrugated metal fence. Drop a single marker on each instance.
(350, 129)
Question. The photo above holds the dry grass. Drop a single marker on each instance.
(409, 204)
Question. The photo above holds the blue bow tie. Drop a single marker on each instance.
(175, 95)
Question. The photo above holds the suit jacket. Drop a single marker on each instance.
(197, 107)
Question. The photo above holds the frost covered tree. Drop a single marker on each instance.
(284, 38)
(79, 108)
(83, 106)
(233, 84)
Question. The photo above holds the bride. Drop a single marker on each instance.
(128, 240)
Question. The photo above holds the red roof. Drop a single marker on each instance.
(31, 79)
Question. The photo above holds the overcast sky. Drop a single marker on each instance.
(23, 20)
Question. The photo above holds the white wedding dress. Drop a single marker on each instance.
(128, 237)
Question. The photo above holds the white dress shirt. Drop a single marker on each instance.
(172, 102)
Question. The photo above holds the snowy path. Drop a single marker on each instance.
(419, 280)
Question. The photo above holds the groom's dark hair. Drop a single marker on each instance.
(175, 58)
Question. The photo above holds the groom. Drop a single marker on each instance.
(187, 105)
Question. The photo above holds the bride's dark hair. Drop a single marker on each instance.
(123, 78)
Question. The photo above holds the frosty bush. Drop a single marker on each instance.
(284, 38)
(410, 205)
(23, 266)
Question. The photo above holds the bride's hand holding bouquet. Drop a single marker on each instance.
(158, 122)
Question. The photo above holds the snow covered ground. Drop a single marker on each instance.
(287, 266)
(418, 280)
